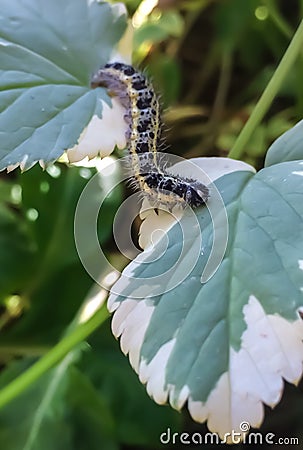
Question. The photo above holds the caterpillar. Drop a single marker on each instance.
(144, 137)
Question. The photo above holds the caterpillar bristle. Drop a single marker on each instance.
(148, 171)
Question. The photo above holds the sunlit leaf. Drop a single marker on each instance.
(288, 147)
(48, 52)
(223, 346)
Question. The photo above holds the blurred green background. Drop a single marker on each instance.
(210, 61)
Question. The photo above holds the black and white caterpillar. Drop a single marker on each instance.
(142, 114)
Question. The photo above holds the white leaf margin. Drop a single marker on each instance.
(207, 169)
(103, 134)
(271, 348)
(271, 351)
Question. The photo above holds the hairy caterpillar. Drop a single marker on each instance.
(142, 114)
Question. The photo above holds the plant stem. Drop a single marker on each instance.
(278, 19)
(269, 93)
(22, 382)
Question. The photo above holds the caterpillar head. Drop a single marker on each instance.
(197, 194)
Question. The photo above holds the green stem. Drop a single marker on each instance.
(278, 19)
(82, 331)
(269, 93)
(54, 246)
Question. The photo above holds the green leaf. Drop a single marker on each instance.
(91, 400)
(45, 415)
(15, 248)
(223, 345)
(157, 29)
(92, 422)
(233, 19)
(52, 228)
(38, 253)
(48, 52)
(124, 395)
(165, 73)
(288, 147)
(34, 413)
